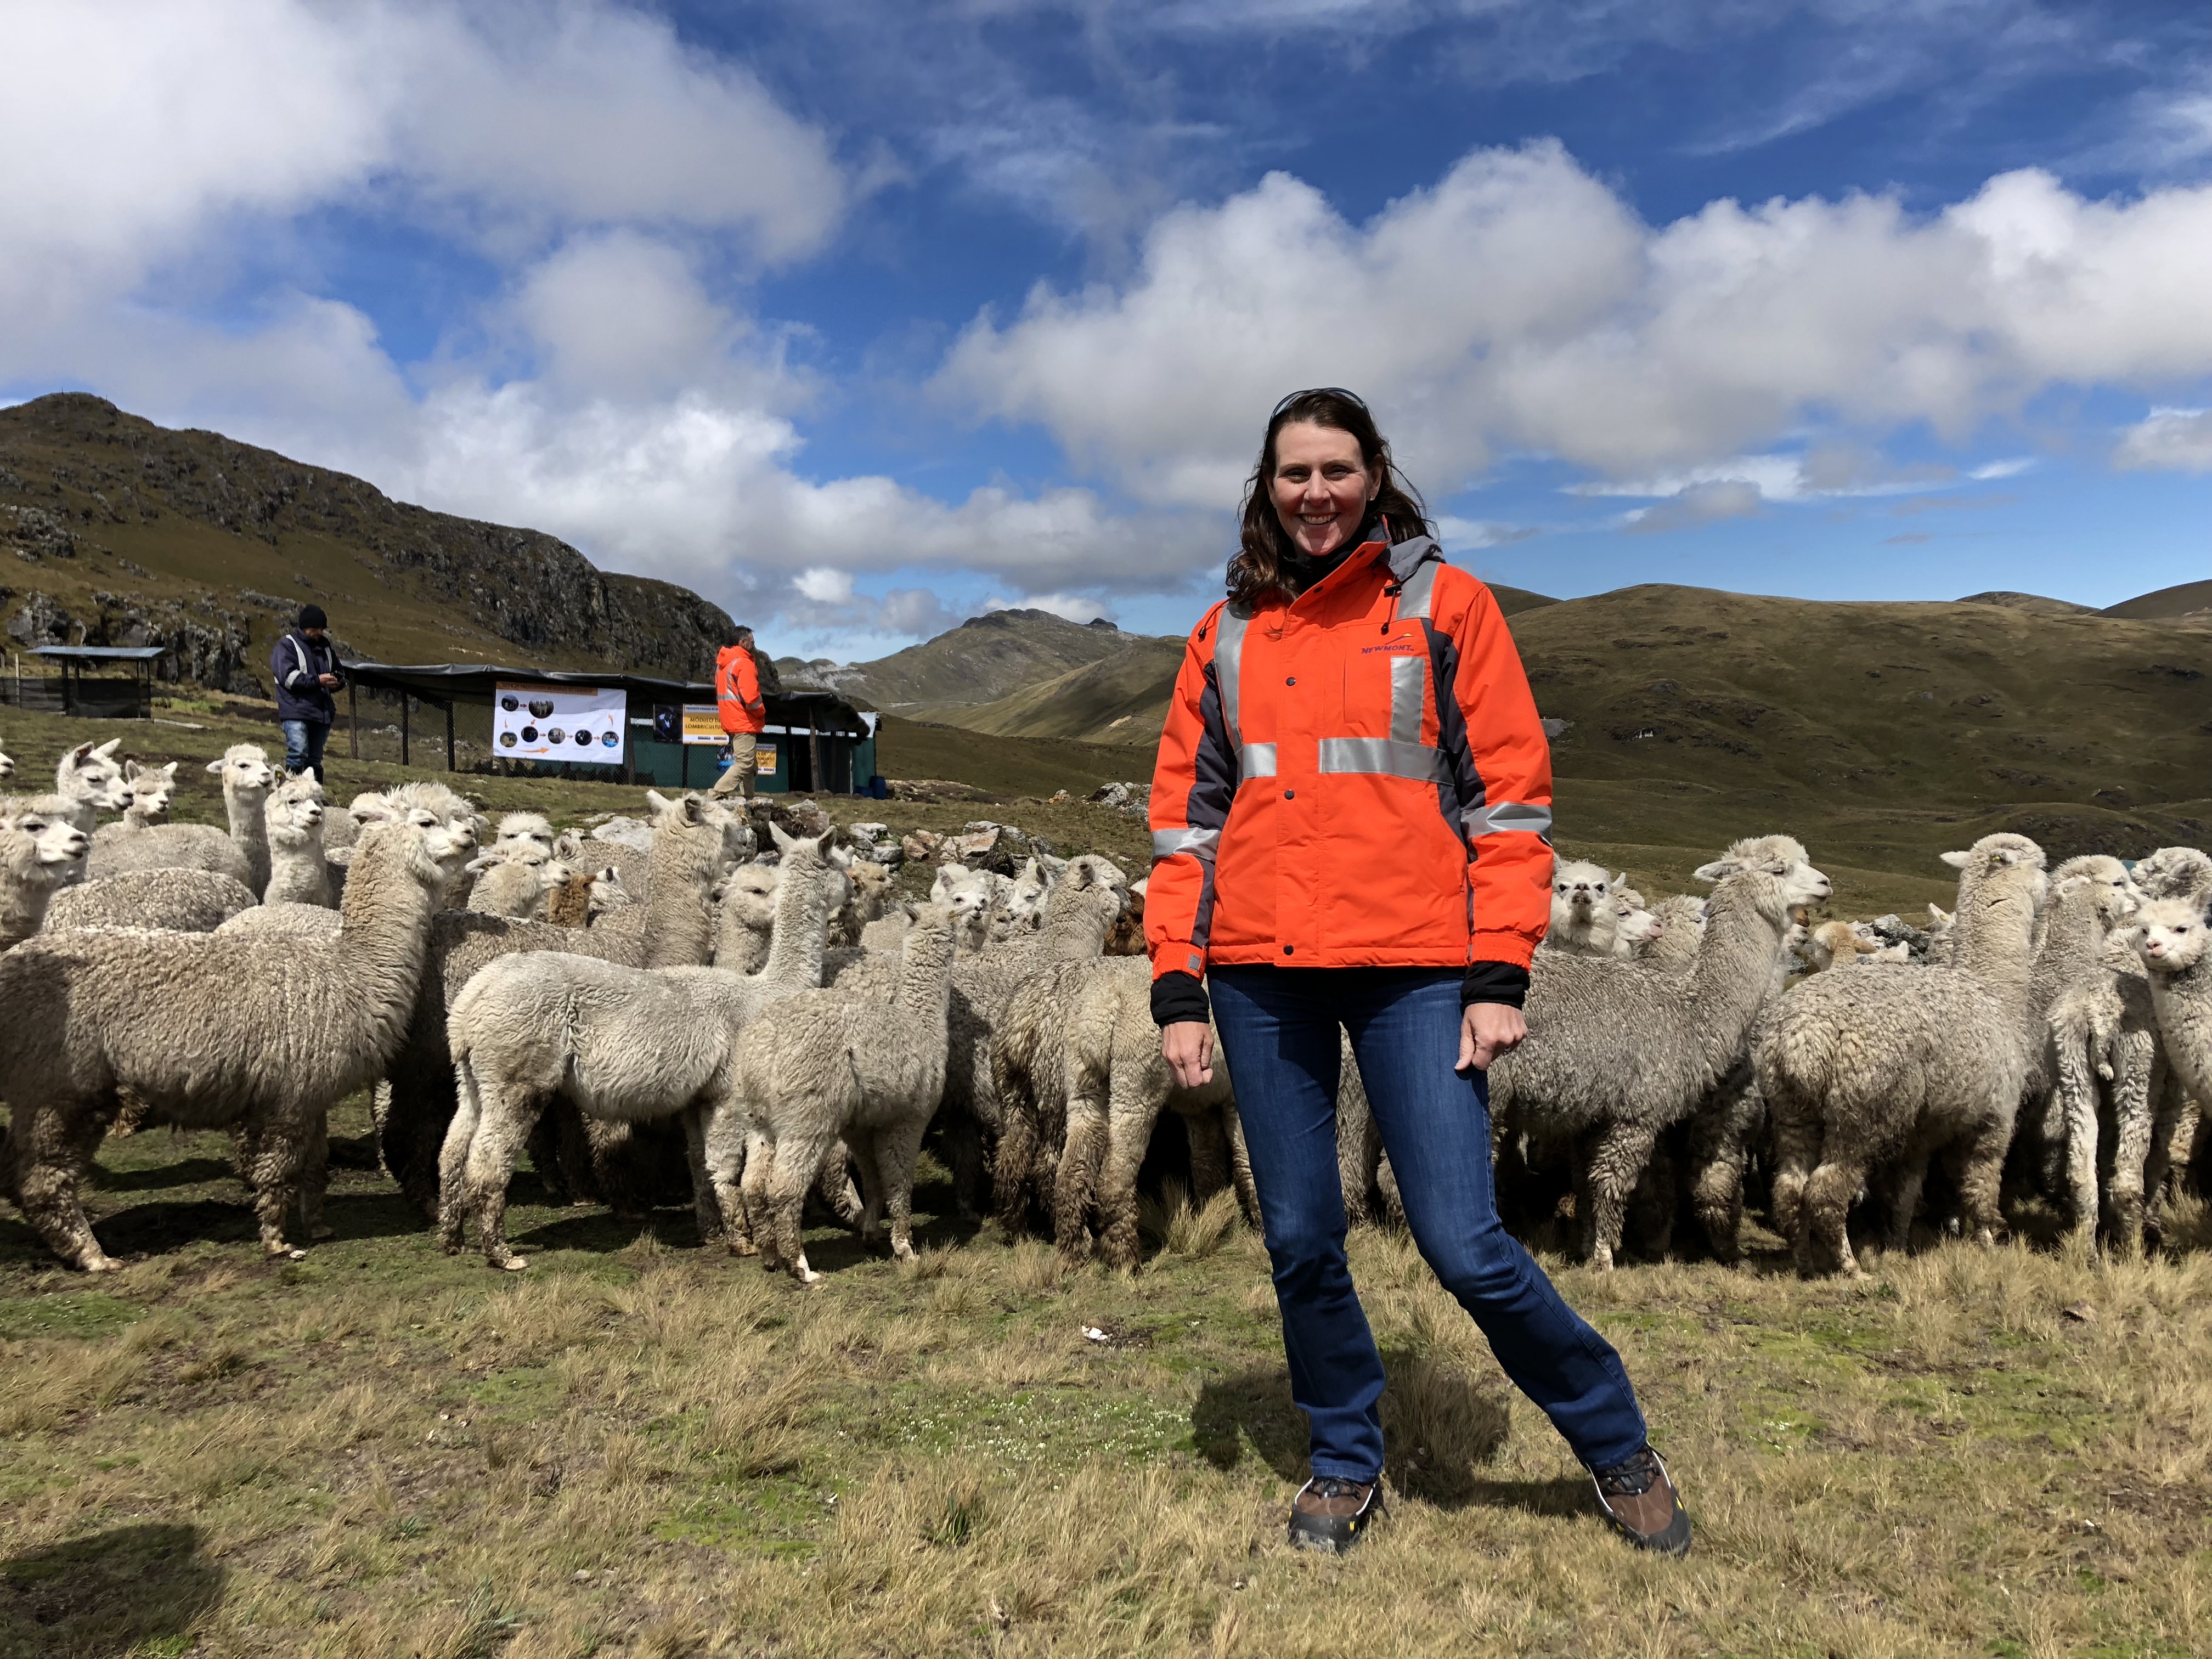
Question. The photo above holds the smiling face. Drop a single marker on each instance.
(1321, 486)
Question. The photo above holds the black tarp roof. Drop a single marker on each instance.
(468, 681)
(101, 652)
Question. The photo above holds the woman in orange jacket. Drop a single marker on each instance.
(1349, 827)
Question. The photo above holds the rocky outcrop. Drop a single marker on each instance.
(207, 644)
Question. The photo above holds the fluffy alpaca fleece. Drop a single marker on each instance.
(1021, 902)
(1897, 1062)
(620, 1045)
(291, 818)
(211, 1031)
(532, 829)
(1082, 1083)
(1834, 942)
(586, 895)
(182, 901)
(284, 921)
(516, 878)
(41, 849)
(976, 895)
(1681, 924)
(2175, 872)
(242, 852)
(2171, 937)
(696, 837)
(1621, 1051)
(819, 1069)
(1078, 914)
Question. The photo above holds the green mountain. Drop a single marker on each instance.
(130, 533)
(983, 660)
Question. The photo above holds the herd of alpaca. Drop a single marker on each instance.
(747, 1028)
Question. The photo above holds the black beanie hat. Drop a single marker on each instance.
(311, 616)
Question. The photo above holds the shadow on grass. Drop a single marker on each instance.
(1439, 1424)
(186, 1172)
(108, 1593)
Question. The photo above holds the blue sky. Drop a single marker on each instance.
(860, 317)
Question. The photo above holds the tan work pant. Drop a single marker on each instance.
(745, 760)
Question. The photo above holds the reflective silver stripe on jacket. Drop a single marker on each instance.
(1385, 756)
(1408, 675)
(1254, 760)
(299, 656)
(1166, 843)
(1257, 760)
(1507, 815)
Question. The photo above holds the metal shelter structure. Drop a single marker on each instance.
(102, 698)
(824, 734)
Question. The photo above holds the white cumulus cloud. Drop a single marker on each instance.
(2168, 440)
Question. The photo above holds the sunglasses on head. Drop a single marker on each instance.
(1312, 390)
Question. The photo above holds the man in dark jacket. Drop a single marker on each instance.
(305, 666)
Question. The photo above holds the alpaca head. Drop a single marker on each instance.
(293, 814)
(38, 843)
(608, 892)
(2170, 934)
(1579, 889)
(152, 788)
(89, 774)
(245, 773)
(1780, 857)
(1834, 942)
(2104, 881)
(747, 895)
(2011, 865)
(531, 827)
(2174, 872)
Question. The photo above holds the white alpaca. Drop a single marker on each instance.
(820, 1068)
(515, 879)
(40, 851)
(152, 789)
(1582, 919)
(182, 901)
(90, 780)
(210, 1030)
(974, 894)
(243, 853)
(292, 820)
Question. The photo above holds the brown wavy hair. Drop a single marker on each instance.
(1255, 570)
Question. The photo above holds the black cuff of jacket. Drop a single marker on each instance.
(1178, 996)
(1505, 982)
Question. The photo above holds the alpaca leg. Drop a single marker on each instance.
(834, 1187)
(454, 1159)
(797, 1163)
(705, 1207)
(1617, 1157)
(502, 1130)
(2077, 1113)
(1085, 1150)
(315, 1179)
(50, 1147)
(1977, 1165)
(1797, 1137)
(1909, 1176)
(2133, 1125)
(1018, 1153)
(759, 1166)
(1651, 1204)
(895, 1149)
(1209, 1155)
(1717, 1197)
(1828, 1193)
(972, 1183)
(1140, 1088)
(1386, 1183)
(725, 1134)
(279, 1149)
(545, 1158)
(861, 1151)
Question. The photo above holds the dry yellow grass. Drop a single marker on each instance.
(643, 1448)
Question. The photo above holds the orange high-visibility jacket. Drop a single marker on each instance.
(737, 691)
(1356, 778)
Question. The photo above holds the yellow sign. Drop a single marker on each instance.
(765, 767)
(702, 723)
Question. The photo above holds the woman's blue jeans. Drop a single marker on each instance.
(1279, 1035)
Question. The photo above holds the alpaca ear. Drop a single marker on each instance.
(106, 751)
(1715, 870)
(169, 771)
(784, 841)
(79, 751)
(1957, 860)
(659, 802)
(484, 862)
(566, 846)
(130, 771)
(212, 766)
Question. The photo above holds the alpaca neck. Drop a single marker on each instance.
(250, 829)
(744, 946)
(679, 914)
(800, 935)
(1733, 972)
(1078, 932)
(924, 973)
(2073, 932)
(25, 892)
(384, 937)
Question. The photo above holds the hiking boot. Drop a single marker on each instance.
(1640, 1498)
(1331, 1515)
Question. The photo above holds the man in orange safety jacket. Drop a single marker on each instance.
(743, 714)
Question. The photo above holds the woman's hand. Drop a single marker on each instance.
(1487, 1030)
(1188, 1047)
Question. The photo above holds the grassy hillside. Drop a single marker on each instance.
(131, 533)
(1120, 700)
(985, 658)
(2179, 601)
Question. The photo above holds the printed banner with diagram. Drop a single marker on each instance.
(558, 722)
